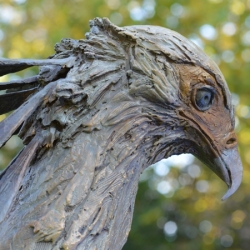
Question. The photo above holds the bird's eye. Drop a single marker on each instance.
(204, 98)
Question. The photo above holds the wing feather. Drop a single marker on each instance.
(13, 175)
(10, 124)
(19, 83)
(11, 66)
(11, 101)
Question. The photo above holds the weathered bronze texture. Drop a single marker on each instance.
(99, 112)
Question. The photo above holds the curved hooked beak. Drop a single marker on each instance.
(229, 168)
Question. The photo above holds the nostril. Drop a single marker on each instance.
(231, 141)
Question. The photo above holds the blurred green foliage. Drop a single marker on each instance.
(178, 204)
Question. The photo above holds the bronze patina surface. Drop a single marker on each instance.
(99, 112)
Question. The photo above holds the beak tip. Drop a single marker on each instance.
(226, 195)
(233, 187)
(231, 169)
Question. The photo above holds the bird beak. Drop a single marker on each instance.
(229, 168)
(232, 170)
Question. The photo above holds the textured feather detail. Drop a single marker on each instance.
(122, 100)
(9, 125)
(19, 83)
(43, 246)
(11, 101)
(11, 66)
(14, 174)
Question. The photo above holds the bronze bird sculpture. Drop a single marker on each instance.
(99, 112)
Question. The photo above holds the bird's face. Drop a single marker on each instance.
(209, 124)
(192, 84)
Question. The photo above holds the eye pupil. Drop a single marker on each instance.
(204, 98)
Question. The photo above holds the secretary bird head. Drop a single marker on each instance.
(185, 80)
(146, 85)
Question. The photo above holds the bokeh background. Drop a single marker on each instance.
(178, 204)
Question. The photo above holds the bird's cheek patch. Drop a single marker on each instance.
(216, 125)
